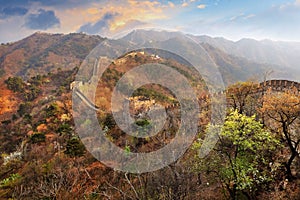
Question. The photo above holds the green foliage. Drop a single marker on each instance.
(142, 122)
(10, 181)
(52, 110)
(36, 80)
(27, 118)
(24, 108)
(144, 126)
(65, 129)
(32, 93)
(15, 84)
(29, 92)
(38, 138)
(240, 159)
(152, 94)
(74, 147)
(111, 76)
(127, 150)
(246, 133)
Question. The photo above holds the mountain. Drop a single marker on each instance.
(41, 53)
(42, 156)
(235, 60)
(285, 54)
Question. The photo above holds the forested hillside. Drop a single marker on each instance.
(42, 156)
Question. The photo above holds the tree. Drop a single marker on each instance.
(65, 129)
(241, 97)
(24, 108)
(74, 147)
(240, 159)
(15, 84)
(282, 112)
(32, 93)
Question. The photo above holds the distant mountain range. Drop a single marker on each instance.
(244, 59)
(42, 53)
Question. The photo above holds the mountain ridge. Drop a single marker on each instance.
(42, 53)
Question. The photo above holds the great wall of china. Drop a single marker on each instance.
(275, 85)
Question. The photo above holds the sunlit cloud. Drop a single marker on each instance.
(91, 18)
(171, 4)
(201, 6)
(108, 18)
(184, 4)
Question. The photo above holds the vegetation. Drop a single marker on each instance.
(74, 147)
(15, 84)
(282, 114)
(256, 157)
(38, 138)
(240, 159)
(24, 108)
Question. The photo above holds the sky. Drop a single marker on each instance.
(231, 19)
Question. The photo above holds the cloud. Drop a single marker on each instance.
(184, 4)
(103, 26)
(90, 17)
(13, 11)
(237, 17)
(171, 4)
(58, 4)
(249, 16)
(128, 27)
(201, 6)
(100, 26)
(42, 20)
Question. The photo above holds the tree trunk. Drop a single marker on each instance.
(289, 163)
(232, 192)
(293, 152)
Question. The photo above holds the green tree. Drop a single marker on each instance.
(52, 110)
(240, 159)
(15, 84)
(65, 129)
(32, 93)
(74, 147)
(24, 108)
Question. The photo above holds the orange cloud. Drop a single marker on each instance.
(93, 11)
(127, 12)
(184, 4)
(171, 4)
